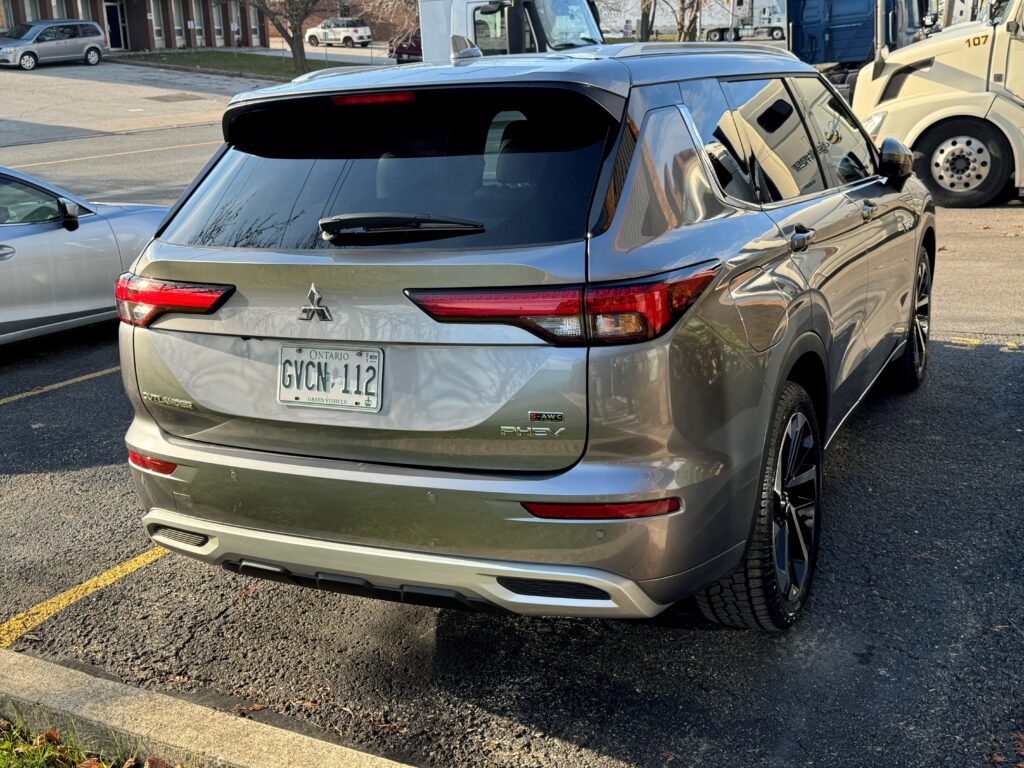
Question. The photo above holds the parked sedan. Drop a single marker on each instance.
(60, 255)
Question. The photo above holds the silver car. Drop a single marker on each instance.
(60, 255)
(553, 334)
(34, 42)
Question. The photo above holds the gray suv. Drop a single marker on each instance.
(552, 334)
(35, 42)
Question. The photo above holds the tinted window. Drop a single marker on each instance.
(717, 130)
(439, 154)
(784, 161)
(22, 204)
(88, 30)
(668, 188)
(837, 136)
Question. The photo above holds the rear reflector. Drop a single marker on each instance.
(159, 466)
(603, 313)
(624, 511)
(140, 300)
(354, 99)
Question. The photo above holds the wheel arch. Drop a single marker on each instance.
(806, 364)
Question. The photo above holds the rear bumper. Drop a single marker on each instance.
(410, 576)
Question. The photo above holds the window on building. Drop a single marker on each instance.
(668, 188)
(254, 25)
(837, 137)
(784, 161)
(32, 12)
(235, 20)
(179, 16)
(491, 33)
(197, 16)
(718, 132)
(58, 9)
(156, 9)
(218, 19)
(85, 9)
(6, 15)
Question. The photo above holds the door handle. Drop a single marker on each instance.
(867, 210)
(801, 238)
(6, 252)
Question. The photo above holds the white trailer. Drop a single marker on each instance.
(742, 20)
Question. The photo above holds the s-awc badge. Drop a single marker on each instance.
(546, 416)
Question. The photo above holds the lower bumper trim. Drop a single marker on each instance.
(411, 577)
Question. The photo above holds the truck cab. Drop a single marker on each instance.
(508, 26)
(957, 99)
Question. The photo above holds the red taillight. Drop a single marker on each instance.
(609, 313)
(140, 300)
(159, 466)
(553, 313)
(625, 511)
(359, 99)
(641, 310)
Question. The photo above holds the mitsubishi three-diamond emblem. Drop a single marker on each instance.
(313, 309)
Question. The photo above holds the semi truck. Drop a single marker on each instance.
(508, 26)
(957, 100)
(741, 20)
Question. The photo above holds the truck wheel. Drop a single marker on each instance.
(965, 162)
(312, 40)
(771, 585)
(715, 35)
(777, 34)
(732, 35)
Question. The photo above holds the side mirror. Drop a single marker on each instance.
(897, 163)
(929, 20)
(1013, 27)
(69, 213)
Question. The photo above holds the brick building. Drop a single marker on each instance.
(141, 25)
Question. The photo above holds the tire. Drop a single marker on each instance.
(906, 372)
(347, 43)
(313, 40)
(757, 595)
(93, 56)
(28, 61)
(964, 162)
(777, 34)
(732, 35)
(715, 35)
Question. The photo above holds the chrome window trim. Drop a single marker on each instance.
(709, 171)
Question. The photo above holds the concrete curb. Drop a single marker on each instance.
(106, 714)
(197, 70)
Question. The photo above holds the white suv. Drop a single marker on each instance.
(346, 32)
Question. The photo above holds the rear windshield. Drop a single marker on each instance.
(523, 163)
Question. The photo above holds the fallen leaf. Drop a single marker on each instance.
(92, 762)
(1019, 743)
(1000, 627)
(986, 226)
(155, 762)
(50, 737)
(129, 763)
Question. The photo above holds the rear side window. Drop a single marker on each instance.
(668, 188)
(782, 156)
(839, 139)
(721, 139)
(523, 163)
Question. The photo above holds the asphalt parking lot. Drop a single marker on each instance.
(911, 652)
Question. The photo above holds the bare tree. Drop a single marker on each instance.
(288, 16)
(648, 11)
(685, 14)
(402, 14)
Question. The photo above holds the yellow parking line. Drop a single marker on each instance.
(115, 154)
(58, 385)
(24, 622)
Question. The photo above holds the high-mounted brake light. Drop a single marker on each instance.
(159, 466)
(358, 99)
(625, 511)
(140, 300)
(603, 313)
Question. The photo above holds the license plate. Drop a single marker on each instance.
(331, 377)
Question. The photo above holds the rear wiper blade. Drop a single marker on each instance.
(393, 227)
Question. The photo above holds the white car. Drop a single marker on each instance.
(346, 32)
